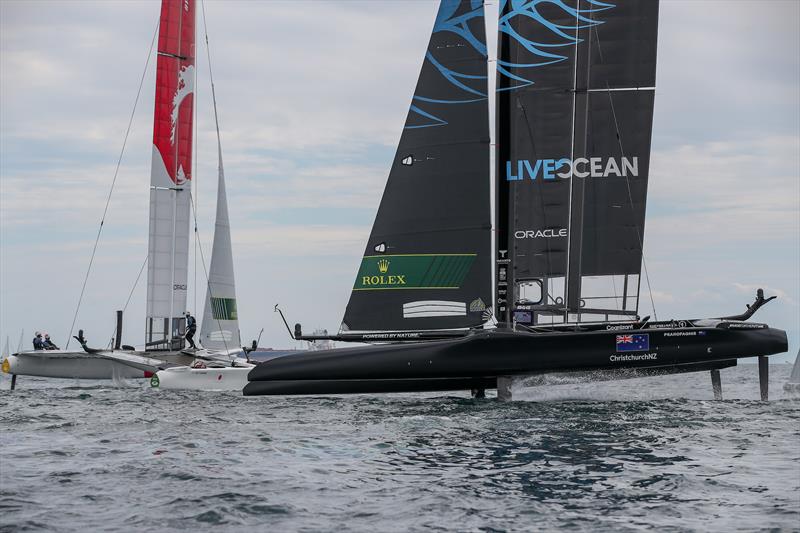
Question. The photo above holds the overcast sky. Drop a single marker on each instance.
(312, 98)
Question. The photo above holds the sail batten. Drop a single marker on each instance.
(431, 237)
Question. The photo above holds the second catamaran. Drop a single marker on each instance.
(575, 96)
(168, 243)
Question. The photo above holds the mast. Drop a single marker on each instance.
(427, 261)
(575, 95)
(171, 174)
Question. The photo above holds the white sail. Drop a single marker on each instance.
(795, 377)
(220, 327)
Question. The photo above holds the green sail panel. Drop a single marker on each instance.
(224, 308)
(419, 271)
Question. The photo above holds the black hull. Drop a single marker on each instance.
(487, 354)
(365, 386)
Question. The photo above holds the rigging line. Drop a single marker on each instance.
(211, 76)
(194, 184)
(135, 283)
(530, 129)
(630, 199)
(219, 153)
(113, 183)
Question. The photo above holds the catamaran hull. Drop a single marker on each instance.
(103, 364)
(330, 386)
(493, 353)
(69, 365)
(211, 379)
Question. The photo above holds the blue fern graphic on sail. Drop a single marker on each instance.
(450, 20)
(521, 13)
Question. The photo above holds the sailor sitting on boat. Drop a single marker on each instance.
(38, 342)
(191, 327)
(48, 344)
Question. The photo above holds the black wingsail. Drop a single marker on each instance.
(427, 263)
(575, 95)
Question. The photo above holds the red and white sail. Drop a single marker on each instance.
(171, 173)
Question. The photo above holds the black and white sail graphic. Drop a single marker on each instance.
(575, 95)
(427, 261)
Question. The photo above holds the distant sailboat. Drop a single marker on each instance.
(793, 385)
(168, 243)
(575, 98)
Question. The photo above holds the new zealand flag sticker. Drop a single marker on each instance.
(633, 343)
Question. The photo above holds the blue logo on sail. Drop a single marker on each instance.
(562, 38)
(582, 167)
(448, 21)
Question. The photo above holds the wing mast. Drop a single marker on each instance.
(171, 174)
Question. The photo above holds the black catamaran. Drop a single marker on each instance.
(574, 111)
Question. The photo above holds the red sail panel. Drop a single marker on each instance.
(172, 124)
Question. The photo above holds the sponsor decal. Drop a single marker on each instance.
(549, 233)
(636, 342)
(413, 271)
(634, 357)
(745, 325)
(670, 324)
(523, 316)
(220, 336)
(680, 334)
(429, 308)
(616, 327)
(154, 381)
(391, 336)
(566, 168)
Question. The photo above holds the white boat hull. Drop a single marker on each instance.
(67, 364)
(212, 379)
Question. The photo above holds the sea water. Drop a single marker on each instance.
(623, 456)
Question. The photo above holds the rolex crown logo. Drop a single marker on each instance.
(383, 266)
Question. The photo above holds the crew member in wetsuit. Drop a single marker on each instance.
(38, 343)
(191, 327)
(48, 344)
